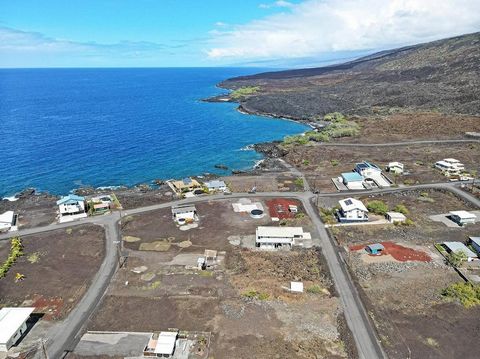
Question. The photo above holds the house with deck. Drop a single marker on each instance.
(352, 210)
(216, 186)
(271, 238)
(372, 174)
(450, 166)
(71, 207)
(185, 185)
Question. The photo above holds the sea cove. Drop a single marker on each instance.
(66, 128)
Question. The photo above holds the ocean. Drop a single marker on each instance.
(65, 128)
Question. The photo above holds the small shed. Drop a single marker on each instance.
(395, 217)
(296, 287)
(375, 249)
(463, 217)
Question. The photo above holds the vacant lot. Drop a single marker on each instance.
(321, 163)
(414, 126)
(57, 268)
(242, 298)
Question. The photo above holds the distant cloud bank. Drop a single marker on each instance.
(315, 27)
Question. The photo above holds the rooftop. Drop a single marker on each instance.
(11, 319)
(463, 214)
(166, 343)
(476, 240)
(279, 231)
(70, 198)
(183, 209)
(376, 247)
(352, 176)
(460, 247)
(350, 204)
(7, 217)
(396, 215)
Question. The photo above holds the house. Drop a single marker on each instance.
(395, 217)
(279, 237)
(371, 173)
(8, 222)
(395, 167)
(216, 186)
(457, 247)
(184, 214)
(12, 325)
(475, 243)
(72, 205)
(185, 185)
(462, 217)
(352, 210)
(352, 180)
(450, 166)
(375, 249)
(161, 345)
(99, 205)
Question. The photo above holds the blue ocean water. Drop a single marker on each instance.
(64, 128)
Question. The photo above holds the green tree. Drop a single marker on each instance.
(377, 207)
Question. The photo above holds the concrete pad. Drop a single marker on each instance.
(444, 218)
(112, 344)
(379, 221)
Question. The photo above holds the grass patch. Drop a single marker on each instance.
(244, 92)
(377, 207)
(401, 208)
(69, 231)
(431, 342)
(253, 294)
(466, 293)
(315, 289)
(205, 273)
(299, 182)
(34, 257)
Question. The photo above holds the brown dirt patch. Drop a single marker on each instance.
(398, 252)
(61, 274)
(278, 207)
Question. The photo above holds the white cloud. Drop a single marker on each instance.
(315, 27)
(280, 3)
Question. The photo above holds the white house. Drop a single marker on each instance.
(395, 167)
(279, 237)
(463, 217)
(161, 345)
(450, 166)
(395, 217)
(71, 205)
(352, 210)
(8, 222)
(12, 325)
(371, 173)
(216, 186)
(352, 180)
(184, 214)
(458, 247)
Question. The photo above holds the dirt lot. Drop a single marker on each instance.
(239, 298)
(57, 266)
(415, 126)
(421, 204)
(268, 182)
(402, 288)
(321, 163)
(33, 210)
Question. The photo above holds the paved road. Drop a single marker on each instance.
(65, 335)
(406, 143)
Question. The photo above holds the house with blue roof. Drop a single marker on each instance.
(352, 180)
(71, 205)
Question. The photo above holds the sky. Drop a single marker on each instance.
(191, 33)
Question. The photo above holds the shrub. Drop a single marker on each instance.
(253, 294)
(299, 182)
(305, 162)
(16, 251)
(468, 294)
(334, 117)
(456, 258)
(377, 207)
(315, 289)
(334, 162)
(401, 209)
(408, 222)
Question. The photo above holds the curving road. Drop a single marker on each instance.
(64, 336)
